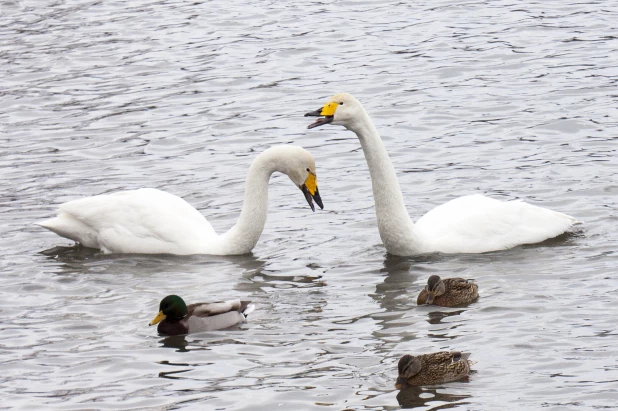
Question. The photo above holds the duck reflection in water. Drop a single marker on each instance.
(436, 317)
(178, 342)
(410, 397)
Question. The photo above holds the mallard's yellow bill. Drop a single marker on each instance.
(160, 317)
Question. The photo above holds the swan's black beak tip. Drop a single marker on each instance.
(318, 199)
(311, 198)
(320, 121)
(316, 113)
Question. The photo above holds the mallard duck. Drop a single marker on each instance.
(469, 224)
(449, 292)
(151, 221)
(434, 368)
(176, 318)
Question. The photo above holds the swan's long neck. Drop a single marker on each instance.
(394, 223)
(244, 235)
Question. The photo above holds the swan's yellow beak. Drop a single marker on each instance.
(160, 317)
(311, 183)
(326, 114)
(310, 190)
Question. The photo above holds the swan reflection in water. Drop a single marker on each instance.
(396, 294)
(398, 290)
(78, 259)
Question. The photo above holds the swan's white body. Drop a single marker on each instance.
(469, 224)
(151, 221)
(477, 224)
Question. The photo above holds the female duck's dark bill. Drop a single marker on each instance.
(319, 122)
(312, 197)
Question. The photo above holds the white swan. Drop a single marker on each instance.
(151, 221)
(469, 224)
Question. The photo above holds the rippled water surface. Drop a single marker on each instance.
(510, 99)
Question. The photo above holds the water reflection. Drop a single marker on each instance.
(436, 317)
(68, 254)
(253, 279)
(78, 260)
(398, 277)
(179, 342)
(411, 398)
(569, 238)
(172, 374)
(258, 279)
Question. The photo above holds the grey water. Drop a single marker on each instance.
(515, 100)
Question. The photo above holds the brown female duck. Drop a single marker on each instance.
(449, 292)
(434, 368)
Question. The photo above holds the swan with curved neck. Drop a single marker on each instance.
(150, 221)
(469, 224)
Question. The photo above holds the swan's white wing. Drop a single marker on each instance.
(216, 316)
(477, 224)
(139, 221)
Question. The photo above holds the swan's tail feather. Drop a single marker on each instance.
(544, 223)
(57, 225)
(573, 220)
(67, 226)
(48, 224)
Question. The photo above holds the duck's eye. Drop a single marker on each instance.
(341, 104)
(308, 170)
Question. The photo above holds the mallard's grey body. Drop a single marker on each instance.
(176, 318)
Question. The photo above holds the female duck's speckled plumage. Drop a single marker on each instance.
(448, 292)
(434, 368)
(176, 318)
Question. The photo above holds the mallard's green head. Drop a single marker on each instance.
(172, 307)
(435, 287)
